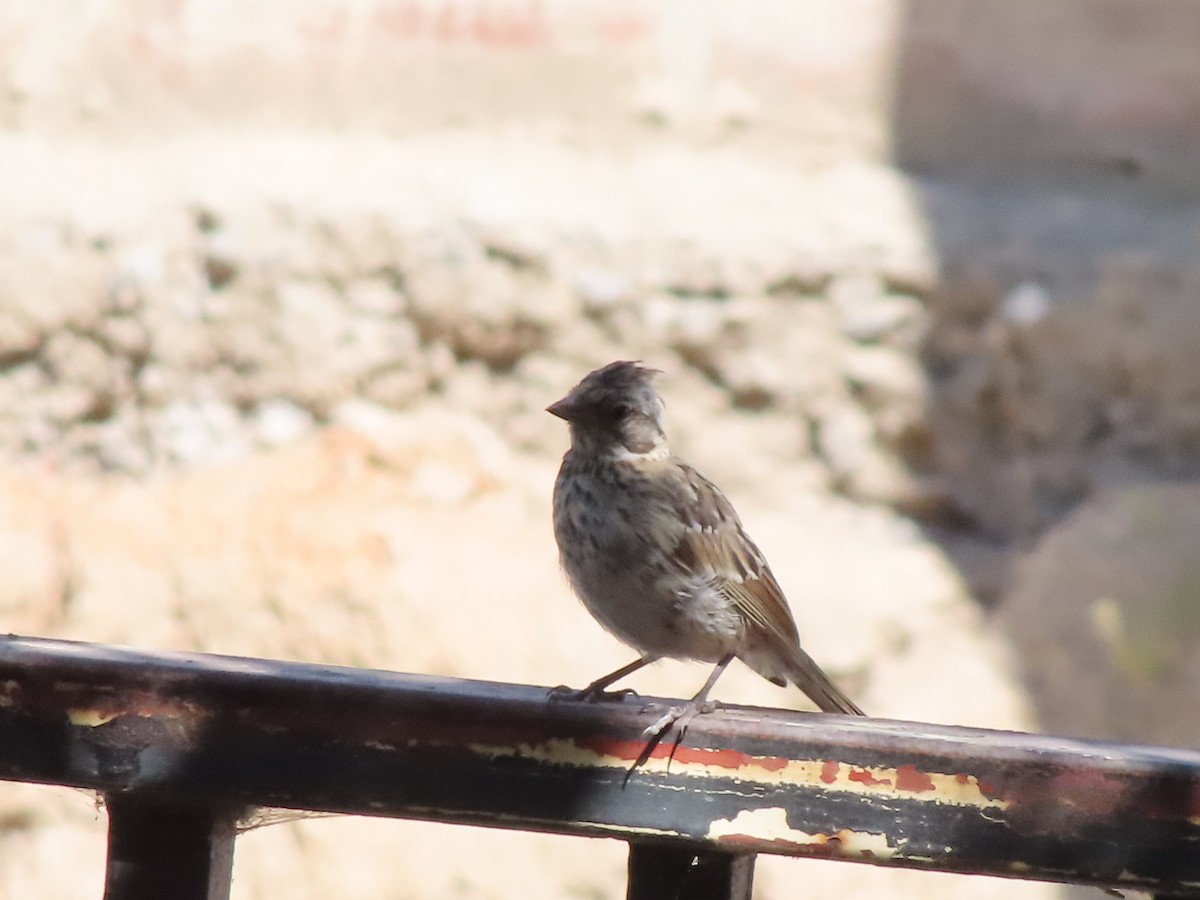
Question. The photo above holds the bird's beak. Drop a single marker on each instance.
(564, 408)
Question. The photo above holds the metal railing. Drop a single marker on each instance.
(183, 745)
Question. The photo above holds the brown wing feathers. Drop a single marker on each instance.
(713, 543)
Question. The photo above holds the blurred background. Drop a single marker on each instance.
(285, 288)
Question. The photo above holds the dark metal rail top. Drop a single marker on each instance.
(229, 734)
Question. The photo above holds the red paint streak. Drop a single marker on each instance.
(1093, 793)
(962, 779)
(627, 750)
(631, 750)
(725, 759)
(862, 776)
(909, 779)
(989, 790)
(829, 771)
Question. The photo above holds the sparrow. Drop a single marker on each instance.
(658, 555)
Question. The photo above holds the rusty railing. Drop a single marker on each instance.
(182, 746)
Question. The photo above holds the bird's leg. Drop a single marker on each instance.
(596, 690)
(681, 716)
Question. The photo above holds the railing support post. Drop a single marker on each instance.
(159, 849)
(657, 871)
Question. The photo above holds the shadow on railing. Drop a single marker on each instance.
(183, 745)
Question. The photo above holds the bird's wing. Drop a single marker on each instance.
(713, 544)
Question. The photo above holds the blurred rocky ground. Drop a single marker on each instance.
(282, 302)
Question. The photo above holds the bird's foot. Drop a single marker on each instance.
(589, 694)
(677, 717)
(680, 717)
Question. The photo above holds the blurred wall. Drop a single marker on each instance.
(1054, 148)
(1078, 89)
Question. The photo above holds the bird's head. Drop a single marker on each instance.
(615, 410)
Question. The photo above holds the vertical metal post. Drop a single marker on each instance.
(159, 849)
(668, 872)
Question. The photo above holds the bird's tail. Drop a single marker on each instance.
(805, 674)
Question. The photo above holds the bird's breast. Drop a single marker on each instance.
(615, 547)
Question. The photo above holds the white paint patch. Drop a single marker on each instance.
(769, 824)
(865, 843)
(90, 718)
(560, 751)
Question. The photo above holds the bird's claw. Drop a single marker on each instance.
(678, 717)
(588, 694)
